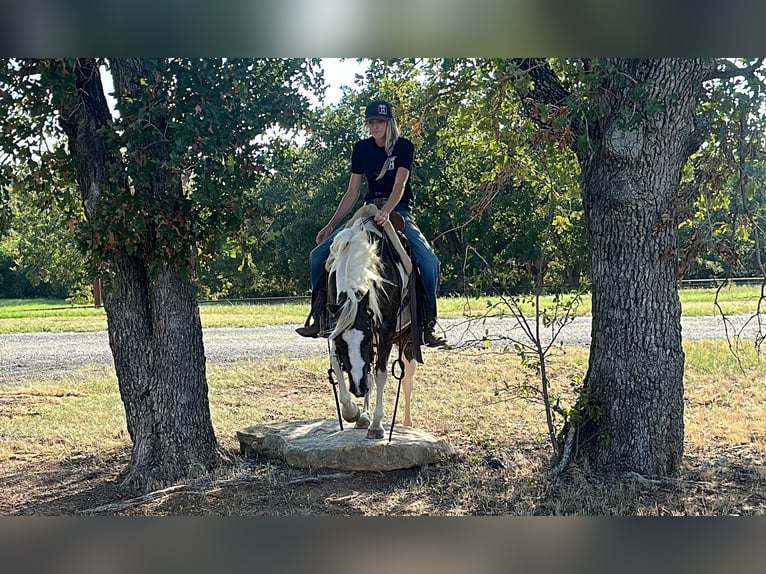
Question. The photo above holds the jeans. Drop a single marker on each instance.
(424, 256)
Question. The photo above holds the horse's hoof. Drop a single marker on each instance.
(353, 418)
(363, 422)
(375, 433)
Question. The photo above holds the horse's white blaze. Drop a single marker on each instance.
(353, 338)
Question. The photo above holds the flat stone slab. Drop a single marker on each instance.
(321, 444)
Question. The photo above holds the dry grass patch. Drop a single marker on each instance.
(725, 399)
(63, 446)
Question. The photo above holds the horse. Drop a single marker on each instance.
(369, 282)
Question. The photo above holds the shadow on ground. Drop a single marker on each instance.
(480, 480)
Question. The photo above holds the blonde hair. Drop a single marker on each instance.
(392, 136)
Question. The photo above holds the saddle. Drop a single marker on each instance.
(394, 230)
(392, 234)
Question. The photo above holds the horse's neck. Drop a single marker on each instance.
(401, 261)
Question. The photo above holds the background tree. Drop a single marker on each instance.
(632, 125)
(43, 249)
(160, 185)
(635, 122)
(722, 196)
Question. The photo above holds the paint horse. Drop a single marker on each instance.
(369, 280)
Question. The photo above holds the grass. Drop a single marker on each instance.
(72, 432)
(63, 443)
(25, 315)
(79, 407)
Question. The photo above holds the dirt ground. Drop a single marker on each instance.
(499, 468)
(480, 480)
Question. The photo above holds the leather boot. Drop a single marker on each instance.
(309, 330)
(316, 322)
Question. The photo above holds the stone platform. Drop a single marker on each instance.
(321, 444)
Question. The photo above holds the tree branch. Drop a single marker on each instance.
(733, 71)
(547, 87)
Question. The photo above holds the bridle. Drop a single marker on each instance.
(397, 366)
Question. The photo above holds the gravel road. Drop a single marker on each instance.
(27, 356)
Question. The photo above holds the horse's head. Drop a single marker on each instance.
(354, 267)
(353, 344)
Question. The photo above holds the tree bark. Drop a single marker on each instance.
(153, 318)
(633, 136)
(632, 403)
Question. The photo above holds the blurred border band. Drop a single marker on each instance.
(394, 28)
(349, 544)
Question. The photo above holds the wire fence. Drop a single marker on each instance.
(683, 284)
(713, 282)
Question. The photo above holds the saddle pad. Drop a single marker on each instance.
(369, 211)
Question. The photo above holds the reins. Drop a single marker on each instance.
(333, 383)
(398, 363)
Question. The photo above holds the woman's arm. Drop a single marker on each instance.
(402, 174)
(346, 204)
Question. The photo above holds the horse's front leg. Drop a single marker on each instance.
(349, 408)
(408, 382)
(376, 427)
(364, 417)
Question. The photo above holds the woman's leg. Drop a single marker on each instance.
(426, 260)
(317, 259)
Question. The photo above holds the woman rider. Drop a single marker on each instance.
(384, 160)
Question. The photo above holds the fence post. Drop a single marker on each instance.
(97, 293)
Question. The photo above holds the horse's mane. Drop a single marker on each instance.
(355, 261)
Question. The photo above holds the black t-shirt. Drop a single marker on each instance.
(368, 158)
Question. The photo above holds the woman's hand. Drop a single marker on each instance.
(381, 217)
(324, 233)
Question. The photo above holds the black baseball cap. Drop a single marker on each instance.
(378, 110)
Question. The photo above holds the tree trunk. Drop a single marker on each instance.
(156, 339)
(153, 318)
(632, 403)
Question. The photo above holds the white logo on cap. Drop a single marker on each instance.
(382, 109)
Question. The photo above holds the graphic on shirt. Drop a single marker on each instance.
(391, 161)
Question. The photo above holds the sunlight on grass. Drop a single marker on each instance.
(470, 398)
(82, 412)
(462, 396)
(725, 396)
(733, 299)
(53, 315)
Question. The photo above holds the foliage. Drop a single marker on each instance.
(495, 179)
(215, 116)
(12, 282)
(42, 249)
(722, 203)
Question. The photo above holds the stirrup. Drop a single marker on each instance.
(319, 328)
